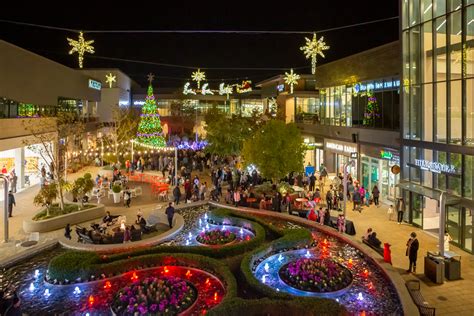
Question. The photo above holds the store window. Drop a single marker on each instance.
(468, 175)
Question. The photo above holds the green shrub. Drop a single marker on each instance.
(116, 188)
(296, 306)
(54, 211)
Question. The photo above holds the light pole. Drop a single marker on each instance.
(5, 206)
(176, 165)
(442, 222)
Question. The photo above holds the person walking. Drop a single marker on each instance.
(176, 194)
(312, 182)
(170, 213)
(376, 194)
(14, 180)
(400, 210)
(390, 212)
(11, 202)
(127, 197)
(412, 252)
(67, 231)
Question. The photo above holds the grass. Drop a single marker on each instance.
(56, 211)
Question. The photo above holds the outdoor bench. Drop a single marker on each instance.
(413, 287)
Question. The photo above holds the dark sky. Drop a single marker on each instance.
(201, 50)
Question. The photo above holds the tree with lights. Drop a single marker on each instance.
(150, 132)
(371, 110)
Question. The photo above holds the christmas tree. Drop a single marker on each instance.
(371, 110)
(150, 132)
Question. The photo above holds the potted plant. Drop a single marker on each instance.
(116, 191)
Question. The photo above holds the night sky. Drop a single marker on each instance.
(201, 50)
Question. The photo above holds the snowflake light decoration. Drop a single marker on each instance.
(312, 49)
(198, 76)
(80, 47)
(110, 79)
(150, 77)
(205, 90)
(291, 79)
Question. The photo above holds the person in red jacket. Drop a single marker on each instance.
(312, 215)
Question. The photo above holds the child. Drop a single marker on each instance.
(390, 212)
(321, 216)
(341, 224)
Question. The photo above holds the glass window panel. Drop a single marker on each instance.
(455, 112)
(428, 112)
(405, 14)
(396, 109)
(455, 47)
(426, 10)
(415, 55)
(454, 182)
(427, 55)
(415, 112)
(441, 122)
(349, 106)
(414, 11)
(468, 177)
(469, 137)
(441, 177)
(468, 48)
(387, 109)
(454, 5)
(440, 49)
(439, 7)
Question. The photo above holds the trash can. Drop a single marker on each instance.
(452, 269)
(434, 268)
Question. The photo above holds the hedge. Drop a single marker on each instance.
(91, 264)
(85, 264)
(296, 306)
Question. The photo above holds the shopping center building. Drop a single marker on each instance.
(33, 88)
(438, 114)
(349, 112)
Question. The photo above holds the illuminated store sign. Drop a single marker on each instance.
(376, 85)
(95, 84)
(281, 87)
(340, 147)
(386, 155)
(434, 166)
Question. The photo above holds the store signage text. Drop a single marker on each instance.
(376, 85)
(434, 166)
(95, 84)
(386, 155)
(346, 149)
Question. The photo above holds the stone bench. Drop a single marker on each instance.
(378, 249)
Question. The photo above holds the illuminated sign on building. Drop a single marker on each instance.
(376, 85)
(95, 84)
(386, 155)
(340, 147)
(434, 166)
(281, 87)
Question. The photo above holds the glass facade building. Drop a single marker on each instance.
(438, 112)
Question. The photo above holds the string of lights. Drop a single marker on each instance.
(248, 32)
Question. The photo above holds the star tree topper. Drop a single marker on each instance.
(312, 49)
(198, 76)
(291, 79)
(110, 79)
(80, 47)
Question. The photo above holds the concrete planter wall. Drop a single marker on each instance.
(59, 222)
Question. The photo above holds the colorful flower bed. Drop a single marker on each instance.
(166, 295)
(315, 275)
(215, 237)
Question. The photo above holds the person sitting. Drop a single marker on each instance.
(367, 234)
(67, 231)
(141, 221)
(107, 218)
(373, 240)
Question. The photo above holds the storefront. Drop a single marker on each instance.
(26, 162)
(337, 154)
(378, 168)
(314, 154)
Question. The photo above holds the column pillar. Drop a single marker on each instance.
(20, 167)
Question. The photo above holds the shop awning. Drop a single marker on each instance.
(428, 192)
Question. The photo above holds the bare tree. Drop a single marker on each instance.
(50, 138)
(122, 129)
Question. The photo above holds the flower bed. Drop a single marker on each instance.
(216, 237)
(315, 275)
(163, 295)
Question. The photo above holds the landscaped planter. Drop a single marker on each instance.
(59, 222)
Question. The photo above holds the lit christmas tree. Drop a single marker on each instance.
(150, 132)
(371, 110)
